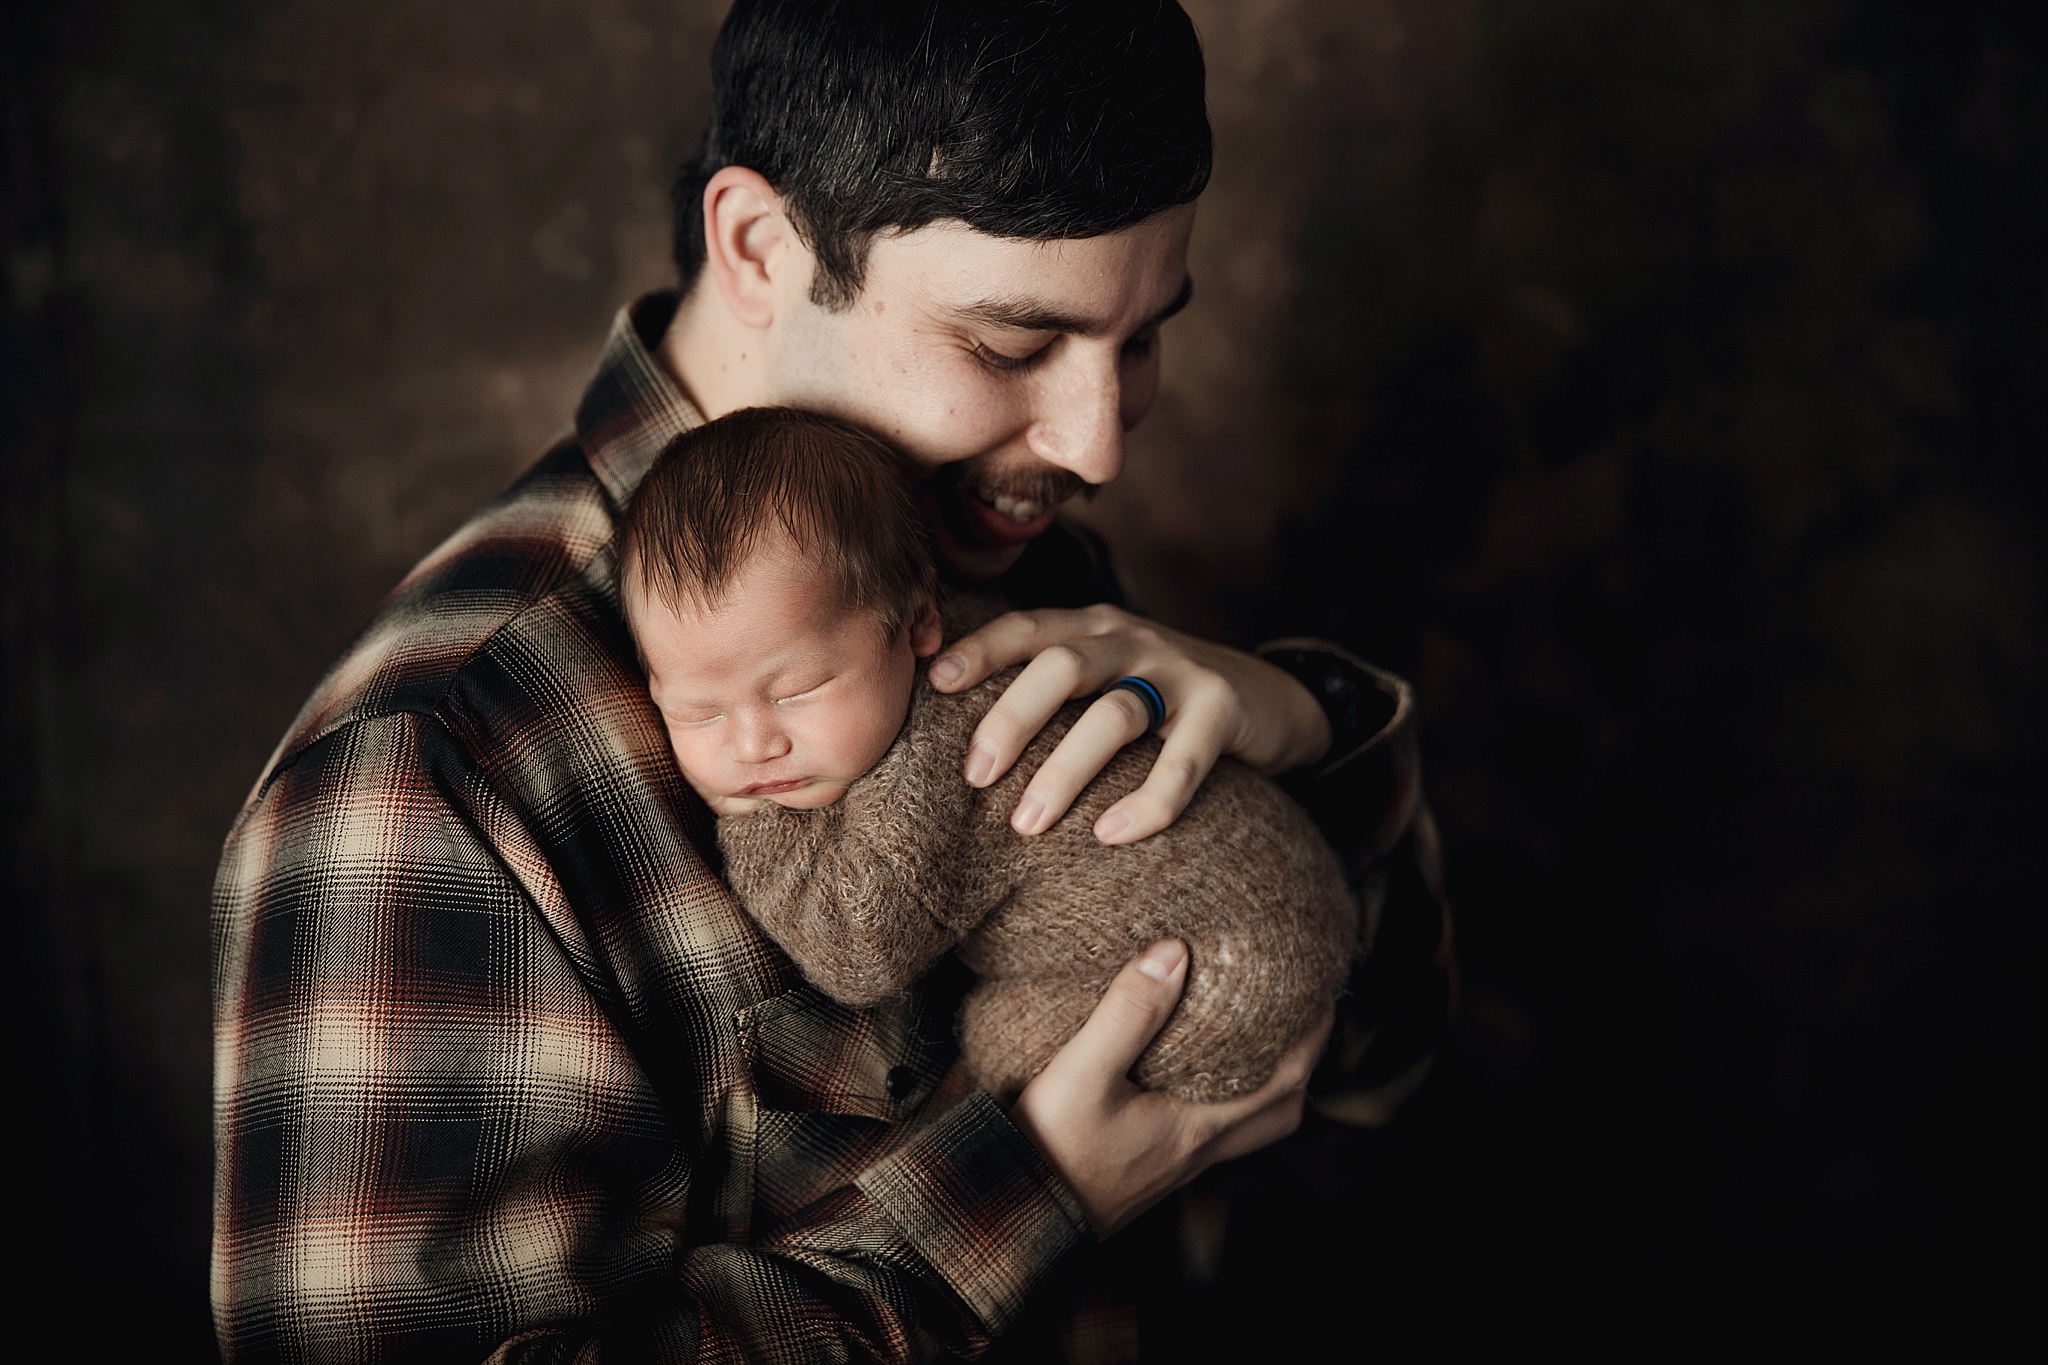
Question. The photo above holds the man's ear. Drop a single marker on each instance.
(748, 243)
(926, 634)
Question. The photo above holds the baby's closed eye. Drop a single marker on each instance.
(807, 690)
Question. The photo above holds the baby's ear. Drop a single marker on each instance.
(926, 635)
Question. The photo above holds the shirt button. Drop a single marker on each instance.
(899, 1081)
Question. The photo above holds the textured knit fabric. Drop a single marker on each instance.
(866, 894)
(499, 1059)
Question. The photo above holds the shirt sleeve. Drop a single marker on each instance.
(435, 1141)
(1366, 796)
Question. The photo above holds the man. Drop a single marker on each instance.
(501, 1066)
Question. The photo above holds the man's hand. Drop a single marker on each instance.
(1218, 701)
(1123, 1149)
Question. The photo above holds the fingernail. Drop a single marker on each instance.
(1026, 817)
(1112, 824)
(1161, 959)
(981, 766)
(948, 669)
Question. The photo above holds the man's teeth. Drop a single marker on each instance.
(1019, 510)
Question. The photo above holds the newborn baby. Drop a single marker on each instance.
(777, 580)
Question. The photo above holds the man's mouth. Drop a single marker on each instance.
(1019, 510)
(1013, 510)
(1001, 519)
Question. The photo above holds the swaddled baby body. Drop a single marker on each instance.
(777, 580)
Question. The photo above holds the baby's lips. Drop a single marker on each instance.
(789, 784)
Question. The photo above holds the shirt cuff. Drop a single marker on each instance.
(982, 1205)
(1365, 706)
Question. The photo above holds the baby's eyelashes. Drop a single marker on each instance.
(799, 696)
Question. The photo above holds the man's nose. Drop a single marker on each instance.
(757, 738)
(1079, 425)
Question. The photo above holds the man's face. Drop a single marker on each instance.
(779, 692)
(1009, 369)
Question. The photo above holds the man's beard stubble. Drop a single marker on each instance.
(988, 477)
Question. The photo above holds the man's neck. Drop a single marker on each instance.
(721, 364)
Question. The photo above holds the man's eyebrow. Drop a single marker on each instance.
(1028, 315)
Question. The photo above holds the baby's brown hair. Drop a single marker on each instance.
(841, 494)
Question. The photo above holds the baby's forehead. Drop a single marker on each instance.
(754, 621)
(773, 571)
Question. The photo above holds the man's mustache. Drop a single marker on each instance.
(1047, 485)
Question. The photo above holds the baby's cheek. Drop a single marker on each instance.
(878, 741)
(850, 740)
(695, 770)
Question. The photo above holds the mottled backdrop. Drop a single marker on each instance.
(1659, 385)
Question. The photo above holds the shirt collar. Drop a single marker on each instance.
(633, 407)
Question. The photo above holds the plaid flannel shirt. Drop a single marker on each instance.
(500, 1064)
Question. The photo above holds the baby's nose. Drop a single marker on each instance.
(762, 743)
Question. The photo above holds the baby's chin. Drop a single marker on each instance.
(816, 795)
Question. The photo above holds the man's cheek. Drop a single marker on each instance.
(942, 423)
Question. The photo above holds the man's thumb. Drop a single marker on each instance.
(1134, 1008)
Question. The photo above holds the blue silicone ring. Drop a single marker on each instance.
(1155, 705)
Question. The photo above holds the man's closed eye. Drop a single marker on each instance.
(1007, 364)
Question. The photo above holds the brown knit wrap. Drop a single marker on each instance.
(867, 894)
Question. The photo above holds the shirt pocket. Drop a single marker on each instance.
(810, 1054)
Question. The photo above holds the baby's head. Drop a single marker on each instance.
(778, 582)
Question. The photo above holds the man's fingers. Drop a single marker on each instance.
(1122, 1148)
(1289, 1078)
(1115, 719)
(1010, 638)
(1299, 1061)
(1073, 653)
(1268, 1126)
(1274, 1111)
(1131, 1012)
(1058, 674)
(1192, 746)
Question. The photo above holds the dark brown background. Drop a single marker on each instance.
(1659, 385)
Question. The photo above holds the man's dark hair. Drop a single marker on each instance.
(840, 494)
(1036, 119)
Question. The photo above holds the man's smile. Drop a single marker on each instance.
(1002, 509)
(1002, 522)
